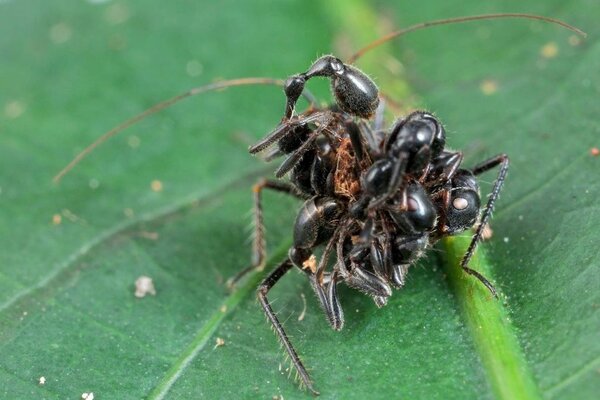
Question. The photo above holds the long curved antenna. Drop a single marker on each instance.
(161, 106)
(424, 25)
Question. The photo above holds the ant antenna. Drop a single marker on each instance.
(424, 25)
(161, 106)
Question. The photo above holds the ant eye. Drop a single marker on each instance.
(460, 203)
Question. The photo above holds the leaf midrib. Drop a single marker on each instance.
(508, 373)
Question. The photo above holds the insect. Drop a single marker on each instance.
(375, 197)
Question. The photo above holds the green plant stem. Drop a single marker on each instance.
(486, 318)
(490, 326)
(203, 336)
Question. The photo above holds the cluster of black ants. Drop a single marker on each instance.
(377, 197)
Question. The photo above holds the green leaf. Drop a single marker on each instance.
(71, 253)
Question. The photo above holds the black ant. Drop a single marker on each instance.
(376, 197)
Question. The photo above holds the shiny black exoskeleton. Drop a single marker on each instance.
(375, 198)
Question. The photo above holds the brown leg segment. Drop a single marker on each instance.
(259, 243)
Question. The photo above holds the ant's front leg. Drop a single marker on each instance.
(502, 161)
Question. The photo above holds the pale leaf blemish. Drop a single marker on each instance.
(549, 50)
(574, 40)
(133, 141)
(489, 87)
(56, 219)
(194, 68)
(156, 186)
(60, 33)
(14, 109)
(117, 14)
(94, 183)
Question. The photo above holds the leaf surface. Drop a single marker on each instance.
(71, 253)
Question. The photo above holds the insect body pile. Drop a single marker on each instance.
(375, 197)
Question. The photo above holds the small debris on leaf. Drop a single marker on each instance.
(42, 380)
(574, 40)
(311, 263)
(87, 396)
(549, 50)
(219, 342)
(156, 185)
(488, 87)
(14, 109)
(144, 286)
(56, 219)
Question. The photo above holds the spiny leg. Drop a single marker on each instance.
(295, 156)
(502, 161)
(259, 245)
(263, 289)
(284, 129)
(370, 135)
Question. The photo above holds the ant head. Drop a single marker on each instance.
(463, 202)
(414, 132)
(354, 91)
(420, 215)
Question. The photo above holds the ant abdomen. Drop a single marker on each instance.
(355, 92)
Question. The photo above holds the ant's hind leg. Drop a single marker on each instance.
(502, 161)
(263, 289)
(259, 245)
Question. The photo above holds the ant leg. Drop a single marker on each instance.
(263, 289)
(327, 294)
(395, 181)
(502, 161)
(283, 129)
(259, 244)
(361, 279)
(327, 291)
(372, 141)
(379, 116)
(295, 157)
(357, 144)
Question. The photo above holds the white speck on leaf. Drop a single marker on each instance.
(144, 286)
